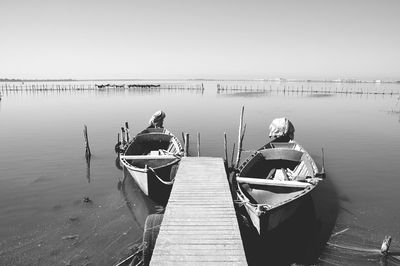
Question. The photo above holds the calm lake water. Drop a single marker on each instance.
(44, 176)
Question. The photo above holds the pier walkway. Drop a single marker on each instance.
(199, 225)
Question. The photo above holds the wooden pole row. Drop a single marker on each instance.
(221, 89)
(63, 87)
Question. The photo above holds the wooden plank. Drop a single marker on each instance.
(200, 237)
(229, 246)
(162, 243)
(197, 263)
(200, 225)
(209, 233)
(209, 258)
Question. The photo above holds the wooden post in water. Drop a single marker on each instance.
(198, 144)
(226, 148)
(323, 162)
(186, 144)
(240, 138)
(233, 154)
(127, 132)
(88, 154)
(123, 136)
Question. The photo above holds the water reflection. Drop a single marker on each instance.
(248, 94)
(292, 242)
(118, 164)
(138, 204)
(321, 95)
(88, 158)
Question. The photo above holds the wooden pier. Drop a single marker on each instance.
(199, 225)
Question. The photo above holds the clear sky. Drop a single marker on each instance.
(200, 39)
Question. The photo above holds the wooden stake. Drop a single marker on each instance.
(88, 154)
(123, 136)
(240, 138)
(323, 161)
(127, 132)
(233, 154)
(198, 144)
(187, 144)
(226, 148)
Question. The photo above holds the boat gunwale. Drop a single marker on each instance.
(269, 208)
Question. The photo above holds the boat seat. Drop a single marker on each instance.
(283, 145)
(282, 154)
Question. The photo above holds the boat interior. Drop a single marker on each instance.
(274, 166)
(266, 162)
(145, 144)
(154, 150)
(271, 195)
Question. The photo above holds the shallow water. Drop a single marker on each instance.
(44, 176)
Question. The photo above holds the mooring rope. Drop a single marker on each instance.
(170, 153)
(170, 183)
(370, 250)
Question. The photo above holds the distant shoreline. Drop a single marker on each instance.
(280, 80)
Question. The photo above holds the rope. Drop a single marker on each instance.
(242, 202)
(255, 151)
(359, 249)
(170, 183)
(170, 153)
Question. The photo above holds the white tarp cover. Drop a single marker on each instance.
(281, 127)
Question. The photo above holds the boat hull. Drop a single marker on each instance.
(271, 219)
(271, 203)
(152, 159)
(150, 184)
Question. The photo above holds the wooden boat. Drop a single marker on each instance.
(152, 158)
(273, 182)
